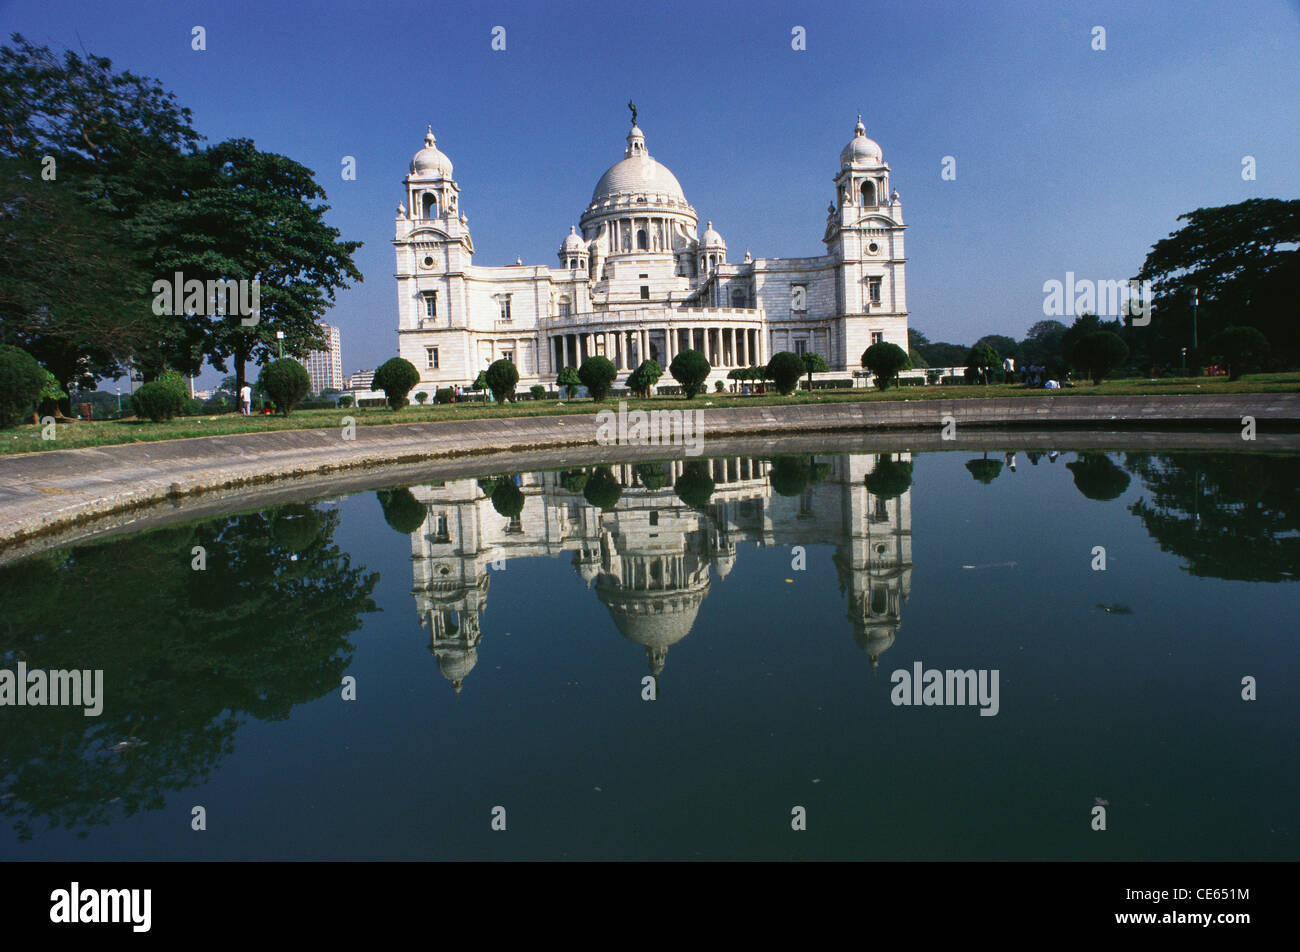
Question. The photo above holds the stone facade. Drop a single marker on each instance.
(636, 280)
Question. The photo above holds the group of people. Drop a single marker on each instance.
(246, 403)
(1038, 376)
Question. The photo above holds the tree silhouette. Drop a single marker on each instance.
(188, 657)
(1230, 516)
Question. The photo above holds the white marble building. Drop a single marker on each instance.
(637, 280)
(651, 559)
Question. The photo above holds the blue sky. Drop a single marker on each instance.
(1068, 159)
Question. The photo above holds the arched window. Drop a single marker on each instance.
(737, 297)
(642, 240)
(868, 193)
(430, 205)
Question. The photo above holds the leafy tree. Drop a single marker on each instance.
(916, 340)
(252, 216)
(188, 658)
(118, 141)
(695, 485)
(915, 361)
(690, 368)
(651, 475)
(890, 478)
(502, 375)
(286, 382)
(1244, 262)
(1042, 346)
(645, 376)
(813, 364)
(1097, 477)
(480, 382)
(402, 510)
(941, 354)
(1005, 346)
(982, 361)
(784, 370)
(1241, 349)
(507, 498)
(602, 490)
(396, 376)
(597, 374)
(21, 379)
(884, 360)
(1231, 516)
(296, 525)
(568, 379)
(1099, 353)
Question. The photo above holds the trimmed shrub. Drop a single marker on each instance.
(602, 490)
(538, 391)
(569, 380)
(645, 376)
(597, 374)
(286, 382)
(651, 475)
(346, 400)
(507, 498)
(690, 368)
(889, 479)
(1097, 477)
(884, 360)
(159, 400)
(21, 379)
(396, 376)
(573, 480)
(501, 377)
(1241, 349)
(719, 386)
(695, 484)
(784, 370)
(401, 509)
(421, 397)
(443, 395)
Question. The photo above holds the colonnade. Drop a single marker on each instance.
(724, 347)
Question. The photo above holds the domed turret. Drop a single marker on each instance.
(711, 239)
(573, 243)
(429, 162)
(861, 152)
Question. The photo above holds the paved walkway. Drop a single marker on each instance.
(40, 492)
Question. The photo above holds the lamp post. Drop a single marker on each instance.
(1195, 301)
(119, 400)
(279, 343)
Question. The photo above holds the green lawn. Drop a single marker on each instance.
(27, 438)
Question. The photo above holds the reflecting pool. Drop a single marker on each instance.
(709, 658)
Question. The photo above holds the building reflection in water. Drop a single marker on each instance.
(651, 558)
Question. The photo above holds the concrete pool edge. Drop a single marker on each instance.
(44, 493)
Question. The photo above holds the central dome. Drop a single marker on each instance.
(637, 174)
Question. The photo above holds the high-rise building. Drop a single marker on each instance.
(325, 367)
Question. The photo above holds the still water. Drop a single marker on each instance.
(505, 633)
